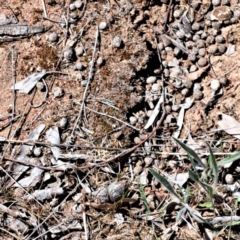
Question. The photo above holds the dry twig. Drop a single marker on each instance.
(88, 83)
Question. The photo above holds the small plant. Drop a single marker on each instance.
(205, 175)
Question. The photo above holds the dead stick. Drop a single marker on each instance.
(90, 75)
(167, 17)
(130, 150)
(13, 91)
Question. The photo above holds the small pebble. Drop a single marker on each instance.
(177, 13)
(219, 39)
(200, 43)
(72, 7)
(210, 39)
(160, 46)
(68, 54)
(100, 61)
(63, 123)
(202, 62)
(73, 15)
(195, 26)
(151, 79)
(225, 2)
(78, 76)
(216, 2)
(185, 92)
(52, 37)
(78, 4)
(40, 86)
(78, 66)
(115, 191)
(188, 84)
(229, 179)
(222, 48)
(168, 49)
(166, 72)
(157, 71)
(102, 25)
(175, 108)
(133, 120)
(110, 18)
(212, 49)
(192, 57)
(196, 38)
(197, 86)
(180, 34)
(84, 83)
(148, 161)
(79, 51)
(37, 152)
(156, 87)
(117, 42)
(223, 81)
(168, 108)
(236, 13)
(215, 84)
(149, 113)
(176, 51)
(197, 94)
(58, 92)
(101, 194)
(193, 68)
(137, 140)
(202, 52)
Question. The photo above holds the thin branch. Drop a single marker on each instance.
(88, 83)
(103, 114)
(13, 91)
(44, 9)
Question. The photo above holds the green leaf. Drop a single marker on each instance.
(206, 205)
(164, 182)
(233, 223)
(143, 196)
(207, 187)
(229, 159)
(191, 152)
(213, 163)
(180, 214)
(192, 161)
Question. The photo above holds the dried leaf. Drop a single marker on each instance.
(19, 169)
(230, 50)
(53, 137)
(195, 75)
(32, 180)
(229, 125)
(28, 83)
(47, 193)
(184, 106)
(154, 113)
(179, 179)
